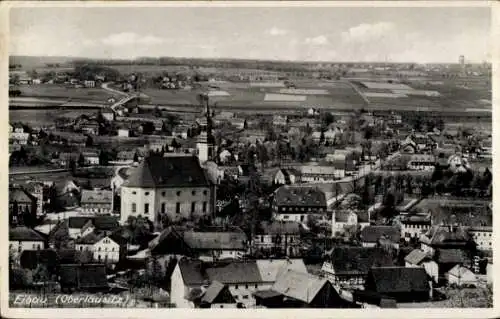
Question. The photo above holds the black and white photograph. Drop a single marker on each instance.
(224, 156)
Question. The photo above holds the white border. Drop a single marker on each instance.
(240, 313)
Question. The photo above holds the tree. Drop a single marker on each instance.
(81, 160)
(322, 137)
(41, 274)
(103, 158)
(89, 142)
(245, 125)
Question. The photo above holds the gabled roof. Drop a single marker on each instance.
(461, 272)
(358, 260)
(371, 234)
(446, 236)
(299, 286)
(191, 272)
(300, 196)
(238, 272)
(90, 238)
(171, 171)
(17, 194)
(416, 256)
(213, 291)
(23, 233)
(399, 279)
(271, 269)
(451, 256)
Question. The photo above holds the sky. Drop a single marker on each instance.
(360, 34)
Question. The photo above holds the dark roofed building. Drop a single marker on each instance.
(350, 265)
(235, 273)
(295, 203)
(372, 235)
(217, 295)
(399, 283)
(23, 238)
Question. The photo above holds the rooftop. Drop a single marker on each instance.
(300, 196)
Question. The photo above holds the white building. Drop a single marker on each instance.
(24, 238)
(123, 132)
(419, 258)
(460, 275)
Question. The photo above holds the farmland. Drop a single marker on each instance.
(62, 91)
(44, 117)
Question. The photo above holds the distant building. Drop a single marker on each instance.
(89, 83)
(460, 275)
(278, 236)
(418, 258)
(371, 236)
(108, 115)
(96, 201)
(297, 203)
(286, 176)
(103, 248)
(23, 238)
(422, 162)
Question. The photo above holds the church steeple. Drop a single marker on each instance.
(205, 145)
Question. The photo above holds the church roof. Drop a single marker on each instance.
(171, 171)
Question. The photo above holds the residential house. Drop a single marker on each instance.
(79, 226)
(65, 158)
(91, 158)
(38, 191)
(322, 173)
(414, 225)
(173, 186)
(286, 176)
(448, 246)
(108, 114)
(23, 238)
(123, 132)
(243, 278)
(403, 284)
(329, 135)
(419, 258)
(343, 219)
(372, 236)
(461, 276)
(90, 127)
(482, 236)
(89, 83)
(348, 266)
(19, 138)
(301, 290)
(278, 237)
(103, 248)
(96, 201)
(21, 202)
(297, 203)
(217, 296)
(181, 131)
(214, 246)
(422, 162)
(419, 143)
(83, 278)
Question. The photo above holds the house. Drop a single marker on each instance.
(79, 226)
(448, 246)
(403, 284)
(300, 290)
(19, 138)
(371, 236)
(243, 278)
(461, 276)
(90, 127)
(108, 114)
(21, 204)
(91, 158)
(213, 246)
(173, 186)
(217, 296)
(322, 173)
(65, 158)
(83, 277)
(96, 201)
(328, 135)
(482, 236)
(343, 219)
(296, 203)
(413, 225)
(421, 162)
(278, 237)
(420, 142)
(348, 266)
(418, 258)
(286, 176)
(23, 238)
(103, 248)
(123, 132)
(89, 83)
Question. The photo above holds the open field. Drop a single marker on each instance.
(44, 117)
(62, 91)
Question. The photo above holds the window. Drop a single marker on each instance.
(193, 207)
(146, 193)
(261, 238)
(236, 287)
(193, 192)
(285, 217)
(178, 208)
(163, 208)
(134, 207)
(204, 207)
(244, 296)
(246, 286)
(99, 249)
(179, 193)
(146, 208)
(256, 286)
(81, 248)
(163, 194)
(134, 192)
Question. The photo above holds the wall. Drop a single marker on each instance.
(102, 208)
(244, 292)
(483, 239)
(106, 248)
(178, 290)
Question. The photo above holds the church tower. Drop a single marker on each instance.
(205, 145)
